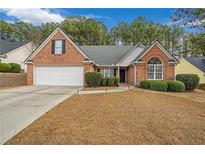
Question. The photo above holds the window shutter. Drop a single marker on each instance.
(53, 47)
(63, 46)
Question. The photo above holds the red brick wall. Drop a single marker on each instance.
(72, 56)
(12, 79)
(89, 68)
(170, 72)
(130, 75)
(140, 72)
(30, 74)
(44, 57)
(168, 69)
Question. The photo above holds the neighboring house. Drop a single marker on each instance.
(192, 65)
(15, 52)
(59, 61)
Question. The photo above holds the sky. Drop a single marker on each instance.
(110, 17)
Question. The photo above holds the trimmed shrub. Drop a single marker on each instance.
(15, 68)
(145, 84)
(201, 86)
(104, 81)
(93, 79)
(175, 86)
(158, 85)
(190, 80)
(116, 81)
(110, 81)
(4, 67)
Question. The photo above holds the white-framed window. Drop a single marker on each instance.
(154, 69)
(107, 72)
(58, 47)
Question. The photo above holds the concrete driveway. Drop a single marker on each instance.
(20, 106)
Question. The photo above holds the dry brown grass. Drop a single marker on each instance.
(196, 95)
(132, 117)
(97, 88)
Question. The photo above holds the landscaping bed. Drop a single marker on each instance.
(98, 88)
(132, 117)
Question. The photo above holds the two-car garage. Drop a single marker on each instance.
(71, 76)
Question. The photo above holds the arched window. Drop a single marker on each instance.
(154, 69)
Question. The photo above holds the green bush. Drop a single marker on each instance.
(145, 84)
(93, 79)
(4, 67)
(116, 81)
(104, 81)
(175, 86)
(110, 81)
(201, 86)
(15, 68)
(190, 80)
(158, 85)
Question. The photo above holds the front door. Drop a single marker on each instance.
(122, 75)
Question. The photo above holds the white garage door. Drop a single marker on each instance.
(72, 76)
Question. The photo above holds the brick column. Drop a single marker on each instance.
(30, 74)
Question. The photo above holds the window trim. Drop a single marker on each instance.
(58, 47)
(103, 70)
(155, 65)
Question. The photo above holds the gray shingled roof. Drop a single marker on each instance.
(198, 62)
(7, 46)
(105, 55)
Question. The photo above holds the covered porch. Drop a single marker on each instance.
(115, 71)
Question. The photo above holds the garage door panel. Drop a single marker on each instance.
(59, 76)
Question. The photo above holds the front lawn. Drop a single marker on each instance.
(132, 117)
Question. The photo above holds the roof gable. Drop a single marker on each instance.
(132, 54)
(38, 49)
(198, 62)
(163, 49)
(7, 46)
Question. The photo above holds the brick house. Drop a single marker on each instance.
(59, 61)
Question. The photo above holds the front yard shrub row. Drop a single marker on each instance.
(145, 84)
(190, 80)
(158, 85)
(201, 86)
(10, 68)
(93, 79)
(110, 81)
(173, 85)
(104, 81)
(117, 80)
(15, 68)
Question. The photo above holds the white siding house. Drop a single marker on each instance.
(15, 52)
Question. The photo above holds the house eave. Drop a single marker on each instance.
(99, 65)
(28, 62)
(138, 62)
(172, 62)
(88, 62)
(138, 44)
